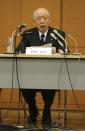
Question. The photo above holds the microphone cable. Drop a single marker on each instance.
(60, 122)
(72, 88)
(20, 95)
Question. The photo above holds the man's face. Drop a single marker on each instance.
(42, 22)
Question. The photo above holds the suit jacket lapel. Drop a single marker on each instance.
(48, 37)
(36, 38)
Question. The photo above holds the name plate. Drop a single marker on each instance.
(39, 50)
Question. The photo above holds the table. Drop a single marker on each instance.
(42, 71)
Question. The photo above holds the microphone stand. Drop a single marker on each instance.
(76, 51)
(14, 37)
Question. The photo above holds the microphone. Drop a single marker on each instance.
(22, 25)
(70, 36)
(55, 38)
(57, 33)
(19, 27)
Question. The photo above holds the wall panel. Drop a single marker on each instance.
(29, 6)
(10, 17)
(73, 21)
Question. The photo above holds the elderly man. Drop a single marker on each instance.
(38, 36)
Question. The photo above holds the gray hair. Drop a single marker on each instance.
(37, 11)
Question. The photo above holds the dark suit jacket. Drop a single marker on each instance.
(31, 38)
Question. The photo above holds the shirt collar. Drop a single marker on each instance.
(45, 33)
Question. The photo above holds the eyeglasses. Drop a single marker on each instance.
(42, 17)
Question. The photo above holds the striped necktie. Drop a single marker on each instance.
(42, 39)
